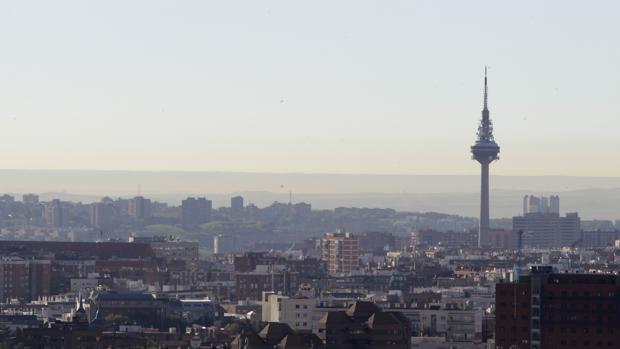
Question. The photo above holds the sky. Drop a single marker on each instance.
(369, 87)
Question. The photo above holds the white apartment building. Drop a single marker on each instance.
(294, 311)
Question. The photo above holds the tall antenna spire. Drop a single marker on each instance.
(486, 90)
(485, 151)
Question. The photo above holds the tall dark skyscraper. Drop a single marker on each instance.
(485, 151)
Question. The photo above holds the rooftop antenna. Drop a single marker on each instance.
(290, 197)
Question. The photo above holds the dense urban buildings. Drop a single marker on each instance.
(218, 111)
(426, 284)
(136, 273)
(290, 276)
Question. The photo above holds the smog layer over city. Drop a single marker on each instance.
(294, 175)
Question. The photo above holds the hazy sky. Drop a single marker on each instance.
(309, 86)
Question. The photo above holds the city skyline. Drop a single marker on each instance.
(221, 87)
(304, 175)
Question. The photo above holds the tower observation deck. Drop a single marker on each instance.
(485, 151)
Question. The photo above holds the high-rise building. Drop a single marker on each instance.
(24, 279)
(534, 204)
(485, 151)
(340, 251)
(40, 278)
(236, 204)
(139, 208)
(554, 204)
(558, 310)
(53, 214)
(100, 215)
(545, 230)
(195, 211)
(30, 199)
(14, 278)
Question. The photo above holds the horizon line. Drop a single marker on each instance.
(297, 173)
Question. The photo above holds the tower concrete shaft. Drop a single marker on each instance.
(484, 224)
(485, 151)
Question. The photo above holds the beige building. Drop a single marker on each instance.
(293, 311)
(53, 214)
(340, 251)
(139, 208)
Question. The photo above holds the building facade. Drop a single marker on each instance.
(195, 211)
(547, 230)
(293, 311)
(542, 204)
(552, 310)
(24, 279)
(53, 214)
(139, 208)
(340, 251)
(236, 204)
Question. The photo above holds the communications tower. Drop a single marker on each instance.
(485, 151)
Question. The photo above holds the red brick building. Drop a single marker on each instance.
(549, 310)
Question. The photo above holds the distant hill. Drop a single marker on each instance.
(592, 197)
